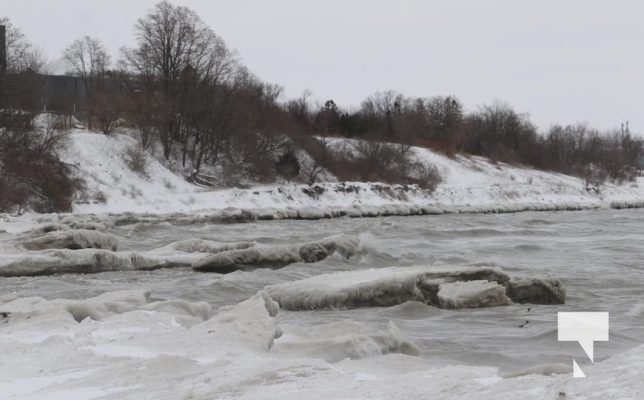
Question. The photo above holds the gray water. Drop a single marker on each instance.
(597, 255)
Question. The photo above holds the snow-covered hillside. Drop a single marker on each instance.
(471, 184)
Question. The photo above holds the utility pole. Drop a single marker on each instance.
(3, 61)
(3, 48)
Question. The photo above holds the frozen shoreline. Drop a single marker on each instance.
(470, 185)
(125, 345)
(17, 224)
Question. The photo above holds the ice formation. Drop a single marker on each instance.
(202, 246)
(536, 290)
(471, 294)
(47, 262)
(278, 256)
(67, 250)
(72, 239)
(445, 288)
(340, 340)
(126, 346)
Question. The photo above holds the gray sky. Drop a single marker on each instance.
(562, 61)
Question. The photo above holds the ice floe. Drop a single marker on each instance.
(471, 294)
(536, 290)
(89, 251)
(278, 256)
(445, 288)
(48, 262)
(73, 239)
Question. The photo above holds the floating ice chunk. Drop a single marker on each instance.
(250, 323)
(254, 257)
(69, 225)
(48, 262)
(73, 239)
(201, 246)
(184, 253)
(536, 290)
(386, 287)
(87, 260)
(472, 294)
(278, 256)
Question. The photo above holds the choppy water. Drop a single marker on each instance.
(597, 255)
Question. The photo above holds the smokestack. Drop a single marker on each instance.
(3, 48)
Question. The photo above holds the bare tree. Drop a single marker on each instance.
(20, 86)
(87, 57)
(88, 60)
(300, 112)
(22, 55)
(173, 42)
(105, 107)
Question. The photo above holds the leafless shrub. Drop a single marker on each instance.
(287, 164)
(168, 185)
(100, 197)
(105, 107)
(427, 176)
(374, 160)
(136, 159)
(31, 173)
(594, 177)
(143, 114)
(319, 153)
(314, 171)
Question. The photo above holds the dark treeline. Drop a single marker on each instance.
(495, 131)
(182, 91)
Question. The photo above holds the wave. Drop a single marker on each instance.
(542, 369)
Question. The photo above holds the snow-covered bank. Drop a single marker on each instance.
(471, 184)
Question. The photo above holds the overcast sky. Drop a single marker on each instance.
(561, 61)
